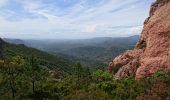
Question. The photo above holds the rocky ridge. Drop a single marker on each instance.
(152, 52)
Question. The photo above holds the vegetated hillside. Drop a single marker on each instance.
(50, 61)
(99, 54)
(21, 79)
(102, 49)
(90, 52)
(1, 47)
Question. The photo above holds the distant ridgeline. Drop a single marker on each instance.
(51, 62)
(92, 53)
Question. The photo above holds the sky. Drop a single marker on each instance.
(72, 19)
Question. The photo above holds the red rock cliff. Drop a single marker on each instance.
(152, 52)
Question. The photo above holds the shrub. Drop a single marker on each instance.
(100, 75)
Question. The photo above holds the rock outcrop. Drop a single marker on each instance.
(152, 52)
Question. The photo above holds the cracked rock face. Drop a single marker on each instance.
(152, 52)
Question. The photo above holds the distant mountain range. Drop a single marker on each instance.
(16, 47)
(90, 52)
(14, 41)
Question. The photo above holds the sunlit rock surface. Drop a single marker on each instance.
(152, 52)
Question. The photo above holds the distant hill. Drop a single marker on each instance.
(49, 61)
(14, 41)
(90, 52)
(102, 49)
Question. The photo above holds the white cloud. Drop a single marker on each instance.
(89, 28)
(136, 29)
(3, 2)
(79, 19)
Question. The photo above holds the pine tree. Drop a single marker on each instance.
(11, 70)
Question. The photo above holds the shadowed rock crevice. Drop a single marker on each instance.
(141, 45)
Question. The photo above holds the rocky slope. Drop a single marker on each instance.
(152, 52)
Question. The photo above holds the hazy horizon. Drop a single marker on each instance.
(72, 19)
(66, 38)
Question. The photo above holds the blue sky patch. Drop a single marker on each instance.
(72, 18)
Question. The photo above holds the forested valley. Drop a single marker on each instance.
(28, 73)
